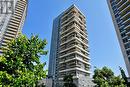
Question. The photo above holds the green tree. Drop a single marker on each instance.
(105, 78)
(68, 81)
(20, 64)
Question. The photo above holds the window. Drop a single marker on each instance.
(118, 20)
(127, 46)
(121, 29)
(125, 40)
(123, 35)
(128, 52)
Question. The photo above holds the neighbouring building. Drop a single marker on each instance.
(69, 49)
(11, 23)
(120, 11)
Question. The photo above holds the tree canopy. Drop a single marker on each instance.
(105, 78)
(20, 64)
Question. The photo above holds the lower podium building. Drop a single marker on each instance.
(69, 49)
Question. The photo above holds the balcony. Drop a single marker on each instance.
(20, 7)
(81, 36)
(4, 44)
(82, 49)
(126, 16)
(67, 20)
(68, 65)
(67, 52)
(17, 16)
(83, 42)
(74, 33)
(20, 15)
(10, 32)
(118, 1)
(127, 27)
(68, 24)
(21, 4)
(9, 35)
(7, 38)
(77, 59)
(69, 29)
(80, 23)
(65, 39)
(80, 28)
(80, 20)
(74, 52)
(5, 41)
(74, 38)
(124, 37)
(14, 24)
(13, 30)
(84, 56)
(121, 3)
(15, 19)
(64, 32)
(127, 49)
(3, 47)
(18, 12)
(128, 33)
(73, 11)
(75, 69)
(11, 26)
(124, 10)
(81, 14)
(67, 48)
(62, 43)
(127, 23)
(69, 33)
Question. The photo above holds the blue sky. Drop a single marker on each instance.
(103, 42)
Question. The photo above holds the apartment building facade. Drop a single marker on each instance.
(11, 23)
(120, 11)
(69, 49)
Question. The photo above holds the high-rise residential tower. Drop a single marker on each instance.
(69, 49)
(120, 11)
(11, 23)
